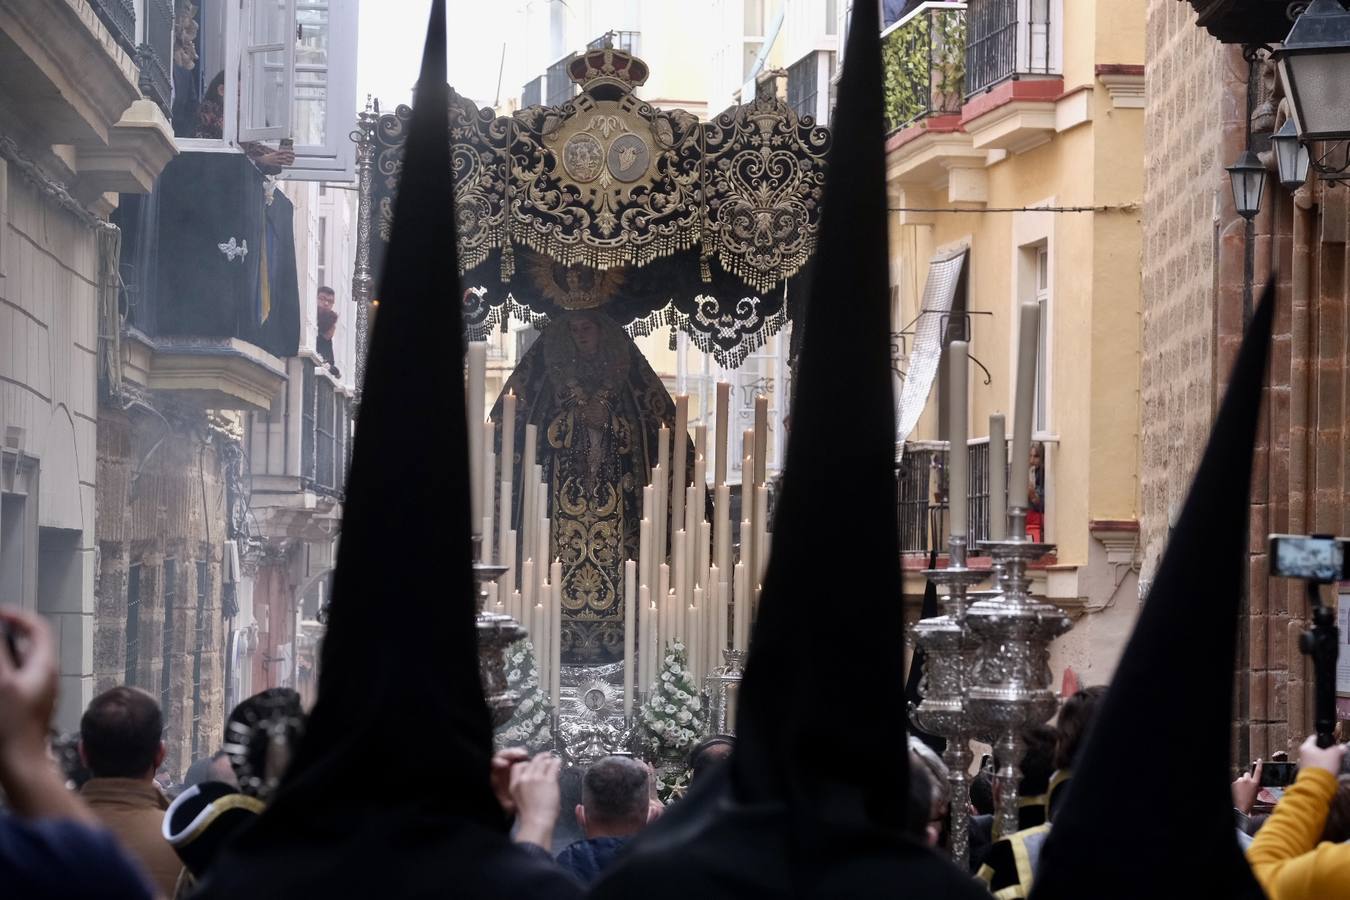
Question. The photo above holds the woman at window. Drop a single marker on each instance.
(211, 126)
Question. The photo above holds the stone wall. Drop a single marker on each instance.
(1187, 86)
(48, 349)
(161, 510)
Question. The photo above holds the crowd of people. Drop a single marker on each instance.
(108, 823)
(110, 829)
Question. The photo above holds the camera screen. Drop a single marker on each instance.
(1317, 559)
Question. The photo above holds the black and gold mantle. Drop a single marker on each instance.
(607, 201)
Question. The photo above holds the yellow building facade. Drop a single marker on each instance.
(1016, 155)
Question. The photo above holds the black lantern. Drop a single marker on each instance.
(1315, 68)
(1291, 155)
(1249, 183)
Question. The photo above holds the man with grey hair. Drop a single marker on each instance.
(613, 808)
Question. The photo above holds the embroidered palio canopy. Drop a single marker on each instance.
(607, 201)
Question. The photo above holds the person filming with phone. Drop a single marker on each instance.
(51, 844)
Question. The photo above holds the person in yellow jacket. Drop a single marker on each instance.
(1286, 855)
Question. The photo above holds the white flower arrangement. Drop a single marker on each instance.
(531, 725)
(671, 718)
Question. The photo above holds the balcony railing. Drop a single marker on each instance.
(119, 17)
(1007, 39)
(155, 57)
(922, 501)
(924, 63)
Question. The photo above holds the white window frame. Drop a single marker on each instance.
(1041, 264)
(335, 159)
(249, 48)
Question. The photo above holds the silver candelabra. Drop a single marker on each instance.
(949, 649)
(1010, 681)
(496, 632)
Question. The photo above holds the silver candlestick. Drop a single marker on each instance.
(1010, 686)
(719, 686)
(949, 648)
(496, 632)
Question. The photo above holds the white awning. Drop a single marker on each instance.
(944, 274)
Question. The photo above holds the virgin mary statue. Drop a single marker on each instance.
(598, 407)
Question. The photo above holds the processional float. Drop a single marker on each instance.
(709, 229)
(606, 202)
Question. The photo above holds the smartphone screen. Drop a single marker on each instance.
(1278, 774)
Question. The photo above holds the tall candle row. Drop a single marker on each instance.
(687, 582)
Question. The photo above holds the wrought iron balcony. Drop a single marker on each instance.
(119, 17)
(1007, 39)
(155, 57)
(924, 63)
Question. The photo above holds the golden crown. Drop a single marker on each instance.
(607, 66)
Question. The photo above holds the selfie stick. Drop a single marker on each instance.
(1320, 642)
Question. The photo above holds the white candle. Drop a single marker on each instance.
(487, 490)
(761, 438)
(679, 463)
(629, 614)
(518, 613)
(998, 479)
(721, 433)
(696, 632)
(661, 521)
(474, 410)
(646, 623)
(722, 514)
(679, 572)
(528, 532)
(644, 550)
(723, 614)
(509, 560)
(539, 634)
(958, 483)
(761, 531)
(528, 588)
(748, 454)
(509, 438)
(1027, 339)
(739, 633)
(494, 602)
(543, 533)
(664, 626)
(555, 636)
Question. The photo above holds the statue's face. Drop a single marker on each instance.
(585, 334)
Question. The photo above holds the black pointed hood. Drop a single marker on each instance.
(1172, 695)
(843, 421)
(389, 790)
(789, 817)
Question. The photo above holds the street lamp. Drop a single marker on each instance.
(1313, 64)
(1249, 183)
(1290, 155)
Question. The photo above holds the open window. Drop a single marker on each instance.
(265, 71)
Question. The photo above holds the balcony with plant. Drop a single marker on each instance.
(924, 64)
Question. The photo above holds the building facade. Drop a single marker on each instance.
(151, 270)
(1014, 174)
(75, 131)
(1207, 101)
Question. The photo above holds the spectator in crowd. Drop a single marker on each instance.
(615, 797)
(710, 753)
(1037, 766)
(211, 126)
(120, 742)
(1292, 855)
(939, 778)
(328, 318)
(215, 767)
(982, 792)
(924, 794)
(1070, 732)
(51, 845)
